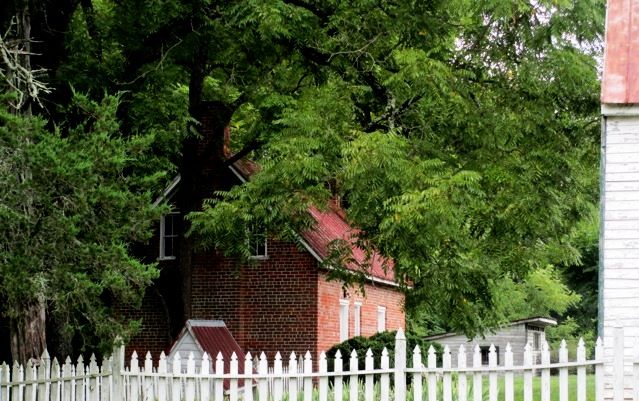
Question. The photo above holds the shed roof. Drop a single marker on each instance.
(620, 84)
(536, 320)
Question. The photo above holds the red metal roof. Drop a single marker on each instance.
(214, 337)
(330, 227)
(215, 340)
(620, 83)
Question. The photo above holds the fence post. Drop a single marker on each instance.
(400, 366)
(599, 370)
(635, 371)
(117, 369)
(617, 364)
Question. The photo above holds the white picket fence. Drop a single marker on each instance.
(204, 379)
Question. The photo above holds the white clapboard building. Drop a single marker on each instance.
(619, 237)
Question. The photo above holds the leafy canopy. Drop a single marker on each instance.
(461, 136)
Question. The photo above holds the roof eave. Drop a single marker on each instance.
(313, 252)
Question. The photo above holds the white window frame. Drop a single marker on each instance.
(357, 319)
(381, 319)
(164, 236)
(253, 244)
(343, 319)
(536, 340)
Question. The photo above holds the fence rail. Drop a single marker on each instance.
(299, 379)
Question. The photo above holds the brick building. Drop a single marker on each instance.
(282, 302)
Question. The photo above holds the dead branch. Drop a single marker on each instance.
(16, 73)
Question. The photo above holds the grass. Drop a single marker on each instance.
(518, 387)
(554, 388)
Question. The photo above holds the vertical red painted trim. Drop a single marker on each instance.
(620, 84)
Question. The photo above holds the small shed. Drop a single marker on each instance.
(210, 336)
(518, 333)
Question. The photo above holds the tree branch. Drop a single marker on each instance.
(251, 146)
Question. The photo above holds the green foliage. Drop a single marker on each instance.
(464, 145)
(462, 136)
(542, 293)
(377, 343)
(72, 203)
(582, 276)
(570, 331)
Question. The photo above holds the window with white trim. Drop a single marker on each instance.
(258, 243)
(357, 319)
(343, 320)
(168, 235)
(381, 319)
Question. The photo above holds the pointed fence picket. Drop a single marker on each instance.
(508, 375)
(353, 384)
(417, 376)
(447, 361)
(462, 382)
(204, 378)
(323, 381)
(338, 386)
(477, 376)
(432, 374)
(384, 380)
(308, 381)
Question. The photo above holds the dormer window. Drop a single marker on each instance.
(168, 235)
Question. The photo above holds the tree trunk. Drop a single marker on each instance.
(201, 165)
(28, 324)
(28, 331)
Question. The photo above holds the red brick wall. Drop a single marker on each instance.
(329, 295)
(284, 303)
(154, 334)
(268, 307)
(215, 290)
(160, 308)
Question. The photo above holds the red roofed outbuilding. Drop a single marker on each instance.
(211, 337)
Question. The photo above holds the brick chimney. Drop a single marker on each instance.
(215, 131)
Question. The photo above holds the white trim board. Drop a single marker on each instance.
(620, 110)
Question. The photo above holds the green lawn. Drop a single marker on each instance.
(519, 389)
(554, 388)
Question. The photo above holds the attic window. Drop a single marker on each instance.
(258, 243)
(168, 235)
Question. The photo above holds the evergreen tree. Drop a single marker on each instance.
(70, 205)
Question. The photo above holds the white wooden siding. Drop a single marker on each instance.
(185, 346)
(619, 292)
(515, 335)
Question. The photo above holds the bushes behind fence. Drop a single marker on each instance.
(377, 343)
